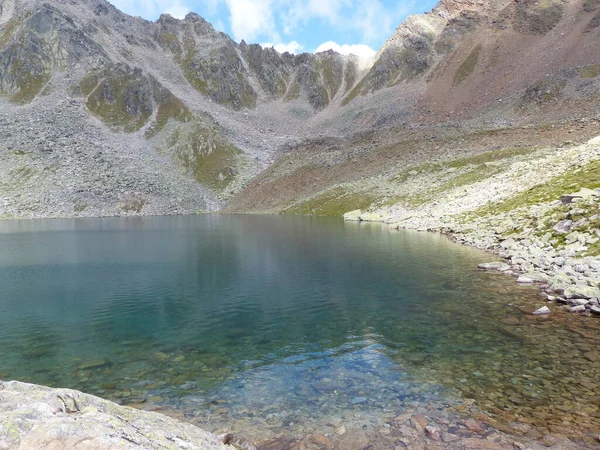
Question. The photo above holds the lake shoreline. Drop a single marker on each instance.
(335, 408)
(44, 417)
(544, 224)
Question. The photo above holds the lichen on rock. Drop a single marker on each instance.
(33, 416)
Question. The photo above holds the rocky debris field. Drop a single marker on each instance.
(58, 162)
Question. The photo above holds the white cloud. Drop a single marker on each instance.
(292, 47)
(152, 8)
(367, 21)
(299, 12)
(178, 10)
(362, 50)
(251, 19)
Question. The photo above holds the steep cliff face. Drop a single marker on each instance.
(221, 112)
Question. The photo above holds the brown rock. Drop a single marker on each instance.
(449, 437)
(402, 418)
(419, 422)
(482, 444)
(474, 426)
(317, 442)
(433, 433)
(592, 356)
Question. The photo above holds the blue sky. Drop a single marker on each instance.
(357, 26)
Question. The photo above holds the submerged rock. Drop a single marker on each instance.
(542, 310)
(433, 433)
(502, 267)
(33, 416)
(524, 280)
(95, 364)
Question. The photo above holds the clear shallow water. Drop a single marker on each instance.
(288, 323)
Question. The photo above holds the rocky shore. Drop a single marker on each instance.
(536, 215)
(38, 417)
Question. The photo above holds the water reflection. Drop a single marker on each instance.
(227, 314)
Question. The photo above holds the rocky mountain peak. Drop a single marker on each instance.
(451, 8)
(221, 111)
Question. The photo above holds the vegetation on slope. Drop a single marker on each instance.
(205, 154)
(538, 17)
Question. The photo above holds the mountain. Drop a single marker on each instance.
(106, 114)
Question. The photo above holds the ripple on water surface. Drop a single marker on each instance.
(290, 323)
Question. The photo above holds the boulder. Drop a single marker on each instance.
(524, 280)
(581, 291)
(542, 310)
(371, 217)
(353, 216)
(594, 141)
(502, 267)
(39, 417)
(563, 227)
(433, 433)
(579, 301)
(583, 194)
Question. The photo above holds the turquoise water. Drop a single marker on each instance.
(284, 320)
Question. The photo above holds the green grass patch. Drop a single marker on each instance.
(293, 92)
(590, 71)
(587, 176)
(467, 67)
(206, 154)
(121, 99)
(171, 42)
(79, 207)
(350, 76)
(405, 175)
(542, 92)
(408, 200)
(335, 202)
(476, 175)
(23, 173)
(476, 160)
(353, 93)
(330, 74)
(8, 31)
(493, 156)
(29, 87)
(538, 17)
(590, 5)
(172, 108)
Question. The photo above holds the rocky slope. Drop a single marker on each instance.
(185, 118)
(536, 207)
(178, 110)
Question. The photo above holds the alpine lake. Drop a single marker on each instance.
(271, 326)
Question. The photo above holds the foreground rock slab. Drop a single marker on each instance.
(38, 417)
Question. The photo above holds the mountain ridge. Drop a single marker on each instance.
(223, 112)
